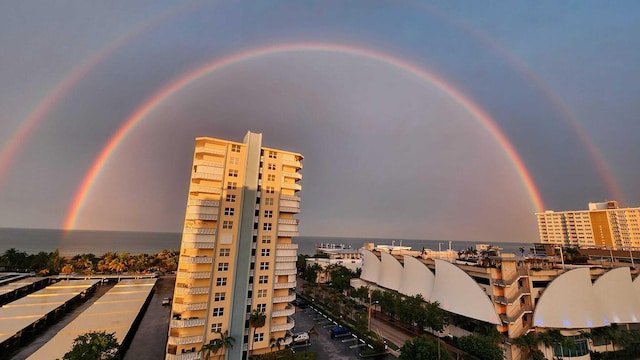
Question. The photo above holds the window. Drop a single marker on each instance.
(272, 155)
(268, 201)
(234, 160)
(235, 148)
(262, 293)
(225, 252)
(261, 307)
(268, 213)
(266, 226)
(218, 311)
(264, 265)
(232, 185)
(224, 266)
(265, 252)
(271, 166)
(233, 173)
(220, 296)
(270, 190)
(263, 279)
(221, 281)
(227, 225)
(217, 327)
(231, 198)
(271, 177)
(229, 211)
(266, 239)
(258, 337)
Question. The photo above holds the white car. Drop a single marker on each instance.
(300, 337)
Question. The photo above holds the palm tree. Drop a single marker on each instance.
(226, 341)
(212, 347)
(257, 319)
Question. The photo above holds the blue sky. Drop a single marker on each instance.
(387, 154)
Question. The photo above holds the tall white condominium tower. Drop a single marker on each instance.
(604, 224)
(236, 255)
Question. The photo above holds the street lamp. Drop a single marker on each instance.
(375, 302)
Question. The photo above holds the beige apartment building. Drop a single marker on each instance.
(236, 254)
(604, 224)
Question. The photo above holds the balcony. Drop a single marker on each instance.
(284, 299)
(289, 209)
(294, 163)
(205, 189)
(210, 151)
(288, 221)
(185, 356)
(198, 244)
(200, 231)
(286, 259)
(196, 259)
(175, 340)
(283, 327)
(293, 175)
(216, 164)
(187, 323)
(508, 319)
(287, 246)
(201, 216)
(207, 203)
(286, 312)
(288, 233)
(208, 176)
(283, 272)
(190, 307)
(194, 275)
(284, 285)
(290, 197)
(192, 291)
(291, 186)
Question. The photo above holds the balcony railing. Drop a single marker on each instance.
(208, 176)
(196, 259)
(293, 163)
(216, 164)
(290, 197)
(208, 203)
(286, 259)
(284, 285)
(288, 221)
(284, 327)
(283, 272)
(185, 356)
(289, 209)
(187, 323)
(291, 186)
(190, 307)
(200, 231)
(175, 340)
(520, 273)
(288, 233)
(205, 189)
(287, 246)
(208, 150)
(201, 216)
(192, 291)
(284, 312)
(284, 299)
(194, 275)
(294, 175)
(511, 318)
(199, 244)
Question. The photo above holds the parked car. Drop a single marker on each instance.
(338, 331)
(301, 303)
(166, 301)
(301, 337)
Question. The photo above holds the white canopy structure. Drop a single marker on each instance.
(417, 279)
(391, 274)
(616, 297)
(370, 267)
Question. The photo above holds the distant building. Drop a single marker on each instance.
(602, 225)
(236, 254)
(328, 255)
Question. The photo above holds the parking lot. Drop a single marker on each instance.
(342, 348)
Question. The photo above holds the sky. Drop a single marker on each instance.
(441, 120)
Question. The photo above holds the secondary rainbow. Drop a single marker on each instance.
(184, 80)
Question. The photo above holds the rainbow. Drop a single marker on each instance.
(184, 80)
(44, 108)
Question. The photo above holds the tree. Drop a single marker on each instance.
(212, 347)
(435, 318)
(481, 347)
(226, 341)
(94, 345)
(257, 319)
(529, 345)
(421, 348)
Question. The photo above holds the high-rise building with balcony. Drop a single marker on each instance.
(237, 254)
(604, 224)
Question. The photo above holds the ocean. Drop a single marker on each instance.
(75, 242)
